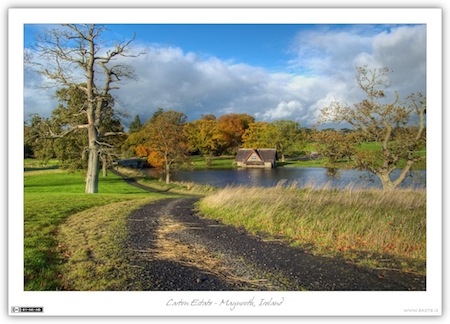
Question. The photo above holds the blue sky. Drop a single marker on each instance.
(268, 71)
(260, 45)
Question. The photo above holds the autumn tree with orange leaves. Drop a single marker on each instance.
(232, 127)
(165, 144)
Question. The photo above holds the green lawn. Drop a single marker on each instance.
(34, 164)
(52, 197)
(365, 146)
(218, 162)
(199, 162)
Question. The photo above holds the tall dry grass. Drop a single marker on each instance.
(364, 225)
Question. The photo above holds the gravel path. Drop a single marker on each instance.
(172, 248)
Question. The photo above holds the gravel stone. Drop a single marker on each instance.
(283, 267)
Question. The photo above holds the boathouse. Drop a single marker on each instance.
(256, 158)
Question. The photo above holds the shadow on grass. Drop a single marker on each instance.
(43, 168)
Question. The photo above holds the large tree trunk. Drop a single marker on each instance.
(167, 173)
(92, 172)
(386, 181)
(104, 166)
(389, 183)
(73, 52)
(93, 162)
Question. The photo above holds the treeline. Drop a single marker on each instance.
(167, 139)
(85, 131)
(213, 136)
(63, 136)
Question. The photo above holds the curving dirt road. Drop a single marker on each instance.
(172, 248)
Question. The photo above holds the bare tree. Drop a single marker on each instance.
(73, 56)
(400, 128)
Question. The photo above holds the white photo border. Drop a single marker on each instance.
(293, 303)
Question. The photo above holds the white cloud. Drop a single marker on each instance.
(330, 57)
(403, 50)
(37, 99)
(325, 51)
(323, 71)
(282, 111)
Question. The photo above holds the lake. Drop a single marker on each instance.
(299, 176)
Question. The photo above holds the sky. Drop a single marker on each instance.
(269, 71)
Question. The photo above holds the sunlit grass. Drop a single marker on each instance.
(92, 244)
(176, 187)
(50, 198)
(216, 163)
(371, 227)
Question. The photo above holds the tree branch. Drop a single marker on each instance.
(66, 132)
(112, 134)
(104, 144)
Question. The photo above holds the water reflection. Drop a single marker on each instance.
(333, 172)
(301, 177)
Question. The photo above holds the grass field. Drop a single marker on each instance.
(72, 239)
(228, 162)
(368, 227)
(217, 162)
(176, 187)
(53, 199)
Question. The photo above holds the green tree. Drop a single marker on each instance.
(70, 149)
(399, 127)
(72, 56)
(284, 135)
(288, 137)
(336, 145)
(204, 135)
(209, 117)
(28, 150)
(134, 141)
(135, 125)
(259, 135)
(37, 140)
(165, 139)
(159, 111)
